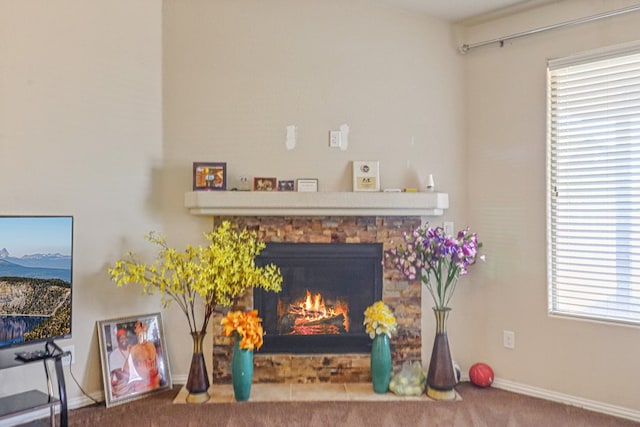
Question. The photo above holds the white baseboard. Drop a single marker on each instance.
(591, 405)
(179, 379)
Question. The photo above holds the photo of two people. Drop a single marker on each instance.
(134, 359)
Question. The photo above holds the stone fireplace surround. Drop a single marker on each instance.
(403, 297)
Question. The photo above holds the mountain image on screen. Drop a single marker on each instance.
(39, 266)
(35, 291)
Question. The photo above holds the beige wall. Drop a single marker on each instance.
(81, 134)
(506, 131)
(114, 100)
(236, 73)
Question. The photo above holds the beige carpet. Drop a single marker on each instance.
(488, 407)
(343, 392)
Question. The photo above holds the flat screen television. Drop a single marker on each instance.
(36, 265)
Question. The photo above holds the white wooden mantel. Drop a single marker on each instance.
(284, 203)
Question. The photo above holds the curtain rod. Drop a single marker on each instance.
(467, 47)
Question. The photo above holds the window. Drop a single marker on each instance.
(593, 209)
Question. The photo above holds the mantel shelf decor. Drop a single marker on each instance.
(258, 203)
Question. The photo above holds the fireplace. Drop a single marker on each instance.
(325, 290)
(332, 365)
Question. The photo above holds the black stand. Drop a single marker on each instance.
(34, 399)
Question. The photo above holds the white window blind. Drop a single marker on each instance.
(594, 187)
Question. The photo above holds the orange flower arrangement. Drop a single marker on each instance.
(246, 325)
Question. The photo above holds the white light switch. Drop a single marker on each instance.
(334, 139)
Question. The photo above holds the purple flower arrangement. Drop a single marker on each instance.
(436, 259)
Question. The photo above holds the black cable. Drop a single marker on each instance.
(68, 353)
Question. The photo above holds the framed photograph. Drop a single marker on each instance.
(366, 176)
(209, 176)
(265, 184)
(134, 357)
(287, 185)
(307, 185)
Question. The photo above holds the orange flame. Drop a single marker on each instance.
(312, 308)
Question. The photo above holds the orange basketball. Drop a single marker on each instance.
(481, 374)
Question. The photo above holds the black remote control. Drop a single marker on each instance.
(29, 356)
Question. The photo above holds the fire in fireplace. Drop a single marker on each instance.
(311, 316)
(325, 291)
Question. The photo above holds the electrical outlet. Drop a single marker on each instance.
(69, 359)
(448, 228)
(509, 339)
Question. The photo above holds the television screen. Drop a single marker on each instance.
(35, 278)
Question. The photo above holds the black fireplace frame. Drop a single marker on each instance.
(282, 254)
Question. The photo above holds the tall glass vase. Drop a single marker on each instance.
(241, 372)
(441, 378)
(198, 380)
(380, 363)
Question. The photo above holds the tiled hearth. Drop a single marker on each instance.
(402, 297)
(325, 392)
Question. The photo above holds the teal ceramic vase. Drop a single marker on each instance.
(381, 363)
(241, 372)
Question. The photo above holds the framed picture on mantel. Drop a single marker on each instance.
(366, 176)
(286, 185)
(265, 184)
(307, 185)
(209, 176)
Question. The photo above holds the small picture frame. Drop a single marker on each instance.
(209, 176)
(286, 185)
(366, 176)
(134, 357)
(307, 185)
(265, 184)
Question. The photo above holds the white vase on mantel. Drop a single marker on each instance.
(431, 184)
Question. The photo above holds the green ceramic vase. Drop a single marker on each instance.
(241, 372)
(381, 363)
